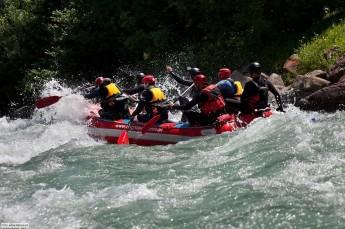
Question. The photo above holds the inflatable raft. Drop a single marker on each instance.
(166, 133)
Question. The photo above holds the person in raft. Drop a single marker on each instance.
(139, 87)
(113, 103)
(192, 73)
(152, 99)
(255, 94)
(231, 90)
(209, 99)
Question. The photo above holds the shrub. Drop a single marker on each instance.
(313, 54)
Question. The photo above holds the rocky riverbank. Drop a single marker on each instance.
(316, 90)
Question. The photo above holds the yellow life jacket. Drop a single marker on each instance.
(112, 89)
(157, 94)
(239, 88)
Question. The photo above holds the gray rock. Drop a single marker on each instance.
(309, 83)
(318, 73)
(329, 98)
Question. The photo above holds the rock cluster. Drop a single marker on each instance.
(317, 90)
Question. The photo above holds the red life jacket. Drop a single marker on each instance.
(253, 102)
(215, 100)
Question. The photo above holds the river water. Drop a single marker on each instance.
(283, 172)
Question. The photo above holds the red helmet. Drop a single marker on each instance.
(199, 80)
(99, 81)
(149, 79)
(224, 73)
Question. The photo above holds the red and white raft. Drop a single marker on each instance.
(166, 133)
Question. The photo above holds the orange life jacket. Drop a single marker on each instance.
(215, 100)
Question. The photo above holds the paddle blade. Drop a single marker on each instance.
(123, 138)
(47, 101)
(150, 123)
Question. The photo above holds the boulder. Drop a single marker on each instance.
(318, 73)
(309, 83)
(276, 80)
(336, 74)
(329, 98)
(337, 70)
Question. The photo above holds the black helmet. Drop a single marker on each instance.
(139, 77)
(254, 67)
(194, 71)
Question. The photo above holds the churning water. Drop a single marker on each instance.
(283, 172)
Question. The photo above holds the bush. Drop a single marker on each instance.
(314, 54)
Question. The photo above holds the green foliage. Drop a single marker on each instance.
(34, 80)
(84, 38)
(313, 54)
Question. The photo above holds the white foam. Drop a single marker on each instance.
(49, 128)
(46, 209)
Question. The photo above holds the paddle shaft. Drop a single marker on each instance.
(183, 93)
(190, 87)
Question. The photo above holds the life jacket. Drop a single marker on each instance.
(227, 88)
(112, 89)
(157, 94)
(230, 88)
(215, 100)
(239, 88)
(253, 102)
(260, 99)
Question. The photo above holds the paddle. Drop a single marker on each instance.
(183, 93)
(123, 138)
(150, 123)
(47, 101)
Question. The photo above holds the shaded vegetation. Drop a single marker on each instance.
(323, 50)
(78, 39)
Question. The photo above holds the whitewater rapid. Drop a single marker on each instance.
(283, 172)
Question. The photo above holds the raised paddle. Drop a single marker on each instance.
(47, 101)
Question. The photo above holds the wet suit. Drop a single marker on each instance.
(255, 95)
(135, 90)
(96, 91)
(202, 99)
(114, 104)
(180, 80)
(148, 102)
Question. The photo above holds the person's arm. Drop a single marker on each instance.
(186, 106)
(233, 101)
(139, 108)
(93, 94)
(276, 94)
(180, 80)
(103, 92)
(135, 90)
(145, 100)
(196, 99)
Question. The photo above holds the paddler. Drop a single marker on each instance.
(139, 87)
(255, 94)
(231, 90)
(151, 100)
(192, 73)
(209, 99)
(114, 104)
